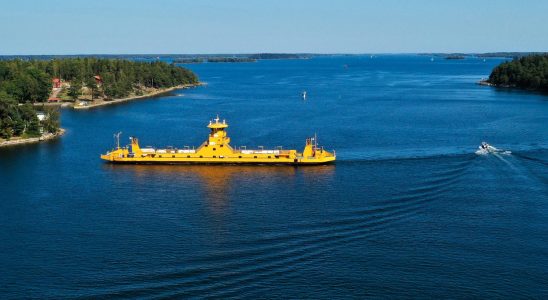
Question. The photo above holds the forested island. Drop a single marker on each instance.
(194, 60)
(89, 81)
(482, 55)
(527, 72)
(230, 59)
(507, 54)
(238, 58)
(168, 57)
(199, 60)
(454, 57)
(280, 56)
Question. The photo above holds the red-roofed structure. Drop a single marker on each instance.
(98, 79)
(56, 82)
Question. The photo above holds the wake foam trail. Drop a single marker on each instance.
(357, 159)
(518, 167)
(509, 164)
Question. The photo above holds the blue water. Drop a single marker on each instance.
(408, 210)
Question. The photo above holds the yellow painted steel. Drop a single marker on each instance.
(217, 150)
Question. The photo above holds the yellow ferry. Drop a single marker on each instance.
(217, 150)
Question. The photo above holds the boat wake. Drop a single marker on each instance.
(279, 252)
(356, 157)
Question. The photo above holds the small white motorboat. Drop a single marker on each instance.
(485, 149)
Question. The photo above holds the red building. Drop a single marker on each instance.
(54, 99)
(56, 82)
(98, 79)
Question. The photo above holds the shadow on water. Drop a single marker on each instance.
(217, 182)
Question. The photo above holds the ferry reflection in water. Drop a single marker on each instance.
(218, 182)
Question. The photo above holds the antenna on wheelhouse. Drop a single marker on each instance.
(117, 136)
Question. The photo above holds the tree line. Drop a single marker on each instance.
(528, 72)
(30, 80)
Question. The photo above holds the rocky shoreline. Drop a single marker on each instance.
(155, 93)
(485, 82)
(44, 137)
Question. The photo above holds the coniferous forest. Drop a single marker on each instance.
(23, 82)
(528, 72)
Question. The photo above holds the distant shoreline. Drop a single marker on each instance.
(23, 141)
(259, 56)
(136, 97)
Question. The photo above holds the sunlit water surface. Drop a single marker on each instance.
(408, 210)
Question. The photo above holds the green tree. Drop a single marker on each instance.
(75, 89)
(91, 85)
(51, 123)
(31, 122)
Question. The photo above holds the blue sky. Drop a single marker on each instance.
(319, 26)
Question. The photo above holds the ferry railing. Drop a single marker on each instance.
(261, 150)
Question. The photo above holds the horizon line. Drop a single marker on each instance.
(252, 53)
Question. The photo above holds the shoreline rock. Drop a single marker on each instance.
(485, 82)
(43, 137)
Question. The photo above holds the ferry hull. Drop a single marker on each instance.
(217, 161)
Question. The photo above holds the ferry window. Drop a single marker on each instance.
(214, 149)
(159, 156)
(269, 157)
(254, 156)
(214, 156)
(239, 157)
(201, 156)
(188, 156)
(173, 156)
(221, 145)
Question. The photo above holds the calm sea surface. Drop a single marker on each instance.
(408, 210)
